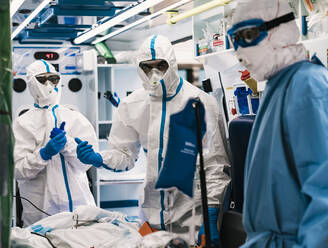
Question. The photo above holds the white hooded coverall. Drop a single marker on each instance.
(59, 184)
(142, 119)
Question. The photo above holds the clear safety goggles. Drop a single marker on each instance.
(252, 32)
(159, 64)
(43, 78)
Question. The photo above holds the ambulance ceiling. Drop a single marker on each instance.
(82, 21)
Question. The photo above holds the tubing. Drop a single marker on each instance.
(197, 10)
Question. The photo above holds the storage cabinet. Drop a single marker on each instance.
(210, 27)
(212, 48)
(116, 191)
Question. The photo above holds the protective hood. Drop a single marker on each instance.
(279, 49)
(158, 47)
(47, 94)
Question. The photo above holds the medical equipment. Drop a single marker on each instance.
(182, 151)
(254, 95)
(21, 197)
(245, 101)
(212, 39)
(202, 176)
(251, 82)
(241, 96)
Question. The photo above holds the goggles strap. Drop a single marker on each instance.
(276, 22)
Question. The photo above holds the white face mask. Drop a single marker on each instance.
(155, 76)
(259, 60)
(267, 58)
(44, 94)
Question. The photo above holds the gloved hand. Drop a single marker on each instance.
(55, 131)
(87, 155)
(213, 214)
(53, 146)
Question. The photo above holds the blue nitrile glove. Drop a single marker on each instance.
(55, 131)
(87, 155)
(53, 146)
(114, 99)
(213, 214)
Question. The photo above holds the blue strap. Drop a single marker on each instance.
(46, 64)
(161, 139)
(38, 106)
(54, 114)
(70, 202)
(161, 134)
(152, 47)
(160, 151)
(177, 90)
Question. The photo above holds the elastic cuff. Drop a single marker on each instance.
(99, 163)
(45, 156)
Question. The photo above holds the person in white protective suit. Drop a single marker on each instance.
(142, 119)
(46, 167)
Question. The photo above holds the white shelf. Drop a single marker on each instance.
(231, 50)
(105, 122)
(118, 78)
(314, 40)
(111, 182)
(203, 58)
(115, 65)
(214, 53)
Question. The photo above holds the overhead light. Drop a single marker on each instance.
(14, 6)
(197, 10)
(140, 21)
(30, 18)
(117, 19)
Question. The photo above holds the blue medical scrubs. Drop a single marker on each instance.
(286, 177)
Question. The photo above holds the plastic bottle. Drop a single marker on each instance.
(251, 82)
(241, 94)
